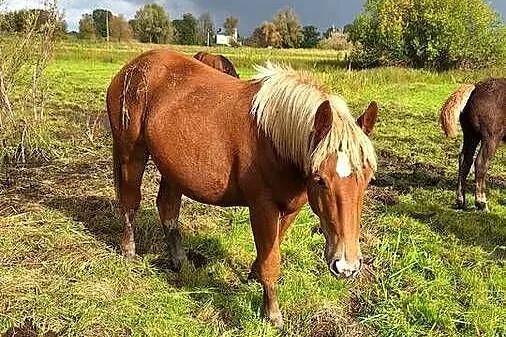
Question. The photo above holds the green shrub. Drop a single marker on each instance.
(436, 34)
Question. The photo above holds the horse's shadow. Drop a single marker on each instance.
(398, 175)
(472, 227)
(98, 217)
(401, 174)
(204, 251)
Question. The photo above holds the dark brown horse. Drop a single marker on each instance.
(270, 144)
(481, 109)
(218, 62)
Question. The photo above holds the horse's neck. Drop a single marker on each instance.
(287, 182)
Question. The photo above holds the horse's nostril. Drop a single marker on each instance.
(334, 269)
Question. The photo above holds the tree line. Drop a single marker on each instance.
(152, 24)
(435, 34)
(37, 20)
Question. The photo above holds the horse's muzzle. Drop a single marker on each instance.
(341, 268)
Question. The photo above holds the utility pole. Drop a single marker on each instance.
(107, 24)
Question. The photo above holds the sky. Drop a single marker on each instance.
(251, 13)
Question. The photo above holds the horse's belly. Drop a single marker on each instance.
(229, 198)
(207, 181)
(198, 150)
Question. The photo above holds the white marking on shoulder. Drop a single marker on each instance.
(343, 168)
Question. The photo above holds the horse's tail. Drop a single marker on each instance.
(126, 102)
(452, 109)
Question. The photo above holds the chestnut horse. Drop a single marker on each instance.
(218, 62)
(481, 109)
(270, 144)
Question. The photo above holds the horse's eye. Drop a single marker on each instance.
(320, 181)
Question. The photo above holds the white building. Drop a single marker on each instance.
(226, 40)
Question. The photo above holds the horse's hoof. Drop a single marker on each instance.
(482, 206)
(175, 264)
(128, 251)
(277, 321)
(460, 204)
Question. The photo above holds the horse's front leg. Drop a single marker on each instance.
(265, 224)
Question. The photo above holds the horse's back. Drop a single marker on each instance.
(162, 77)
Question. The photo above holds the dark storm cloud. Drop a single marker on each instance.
(251, 13)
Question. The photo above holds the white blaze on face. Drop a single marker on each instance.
(343, 168)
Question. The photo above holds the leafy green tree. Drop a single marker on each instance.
(186, 29)
(311, 37)
(436, 34)
(87, 27)
(101, 19)
(151, 24)
(288, 25)
(256, 39)
(230, 25)
(27, 19)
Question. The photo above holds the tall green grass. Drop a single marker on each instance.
(431, 270)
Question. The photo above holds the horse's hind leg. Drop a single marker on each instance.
(169, 204)
(128, 176)
(465, 163)
(485, 154)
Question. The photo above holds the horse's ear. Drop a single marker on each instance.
(368, 118)
(322, 121)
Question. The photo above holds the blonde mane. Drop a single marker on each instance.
(285, 108)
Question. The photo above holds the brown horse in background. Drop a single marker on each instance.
(218, 62)
(270, 144)
(481, 109)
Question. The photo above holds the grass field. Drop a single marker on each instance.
(431, 270)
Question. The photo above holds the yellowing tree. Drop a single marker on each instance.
(119, 28)
(270, 35)
(288, 25)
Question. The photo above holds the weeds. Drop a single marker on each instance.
(23, 59)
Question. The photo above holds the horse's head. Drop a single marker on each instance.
(227, 66)
(336, 194)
